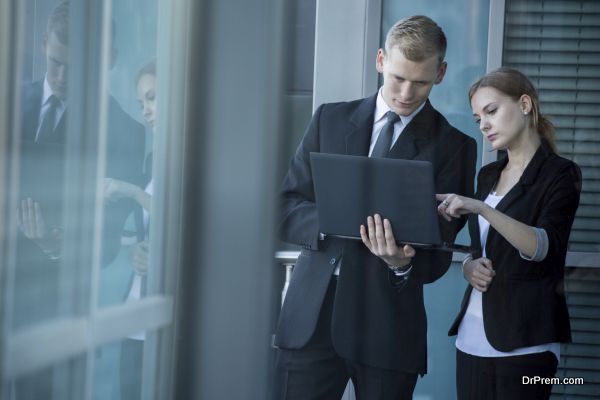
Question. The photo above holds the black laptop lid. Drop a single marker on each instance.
(350, 188)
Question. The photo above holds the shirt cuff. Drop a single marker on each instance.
(541, 249)
(468, 258)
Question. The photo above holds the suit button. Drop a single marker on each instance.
(332, 261)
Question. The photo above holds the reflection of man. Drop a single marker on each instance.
(44, 116)
(44, 128)
(355, 310)
(44, 111)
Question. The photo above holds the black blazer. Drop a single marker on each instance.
(525, 304)
(373, 321)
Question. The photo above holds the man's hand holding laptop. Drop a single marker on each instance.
(379, 239)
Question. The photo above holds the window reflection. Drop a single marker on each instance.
(124, 278)
(41, 218)
(135, 254)
(118, 371)
(39, 213)
(83, 196)
(61, 381)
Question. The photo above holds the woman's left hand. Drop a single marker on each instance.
(453, 205)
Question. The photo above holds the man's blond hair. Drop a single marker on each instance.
(418, 38)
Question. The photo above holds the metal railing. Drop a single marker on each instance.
(287, 259)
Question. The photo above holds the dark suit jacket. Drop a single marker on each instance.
(373, 321)
(125, 148)
(42, 178)
(525, 304)
(43, 163)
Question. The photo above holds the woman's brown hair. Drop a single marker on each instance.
(515, 84)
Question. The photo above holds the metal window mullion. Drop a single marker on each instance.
(494, 60)
(371, 44)
(12, 34)
(176, 49)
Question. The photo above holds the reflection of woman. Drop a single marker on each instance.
(132, 347)
(115, 189)
(511, 325)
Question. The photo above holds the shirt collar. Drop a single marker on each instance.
(381, 108)
(48, 92)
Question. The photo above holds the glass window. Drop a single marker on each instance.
(62, 380)
(556, 44)
(103, 240)
(132, 103)
(465, 24)
(84, 296)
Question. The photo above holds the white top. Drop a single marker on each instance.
(471, 337)
(381, 108)
(135, 293)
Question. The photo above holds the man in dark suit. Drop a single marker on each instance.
(355, 310)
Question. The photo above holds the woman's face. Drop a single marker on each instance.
(146, 94)
(501, 119)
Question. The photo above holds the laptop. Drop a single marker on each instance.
(350, 188)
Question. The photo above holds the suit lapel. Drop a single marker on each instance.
(358, 139)
(529, 176)
(32, 104)
(406, 146)
(416, 136)
(487, 181)
(59, 133)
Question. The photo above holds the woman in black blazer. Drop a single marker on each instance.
(511, 326)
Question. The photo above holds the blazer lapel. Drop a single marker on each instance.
(416, 136)
(529, 176)
(59, 134)
(32, 104)
(358, 139)
(486, 183)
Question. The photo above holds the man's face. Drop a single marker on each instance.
(407, 84)
(57, 57)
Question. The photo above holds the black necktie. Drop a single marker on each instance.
(48, 120)
(384, 141)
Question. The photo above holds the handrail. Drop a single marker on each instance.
(288, 260)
